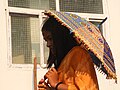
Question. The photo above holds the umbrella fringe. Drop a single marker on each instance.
(109, 76)
(99, 69)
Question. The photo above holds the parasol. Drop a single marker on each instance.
(90, 37)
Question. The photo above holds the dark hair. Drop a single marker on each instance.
(62, 39)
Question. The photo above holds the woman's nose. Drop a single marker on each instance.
(48, 44)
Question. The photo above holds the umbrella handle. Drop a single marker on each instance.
(35, 73)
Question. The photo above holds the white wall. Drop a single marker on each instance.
(12, 78)
(113, 39)
(22, 79)
(114, 11)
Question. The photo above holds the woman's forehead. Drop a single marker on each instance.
(46, 33)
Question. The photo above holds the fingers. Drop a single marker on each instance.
(51, 76)
(42, 85)
(50, 72)
(53, 69)
(41, 81)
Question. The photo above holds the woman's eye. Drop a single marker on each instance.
(50, 38)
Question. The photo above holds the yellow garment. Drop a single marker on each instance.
(77, 70)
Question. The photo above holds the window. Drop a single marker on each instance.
(25, 38)
(82, 6)
(25, 17)
(33, 4)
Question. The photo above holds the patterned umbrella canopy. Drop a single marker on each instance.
(90, 37)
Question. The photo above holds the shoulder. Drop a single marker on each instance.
(77, 54)
(78, 50)
(74, 58)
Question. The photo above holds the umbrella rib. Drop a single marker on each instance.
(110, 66)
(68, 21)
(63, 22)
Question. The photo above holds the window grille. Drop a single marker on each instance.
(33, 4)
(25, 38)
(82, 6)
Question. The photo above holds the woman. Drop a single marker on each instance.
(73, 68)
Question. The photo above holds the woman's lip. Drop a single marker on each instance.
(51, 47)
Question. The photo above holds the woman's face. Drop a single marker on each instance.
(47, 35)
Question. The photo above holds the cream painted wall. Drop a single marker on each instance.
(13, 78)
(114, 11)
(22, 79)
(113, 39)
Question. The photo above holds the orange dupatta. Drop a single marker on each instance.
(77, 70)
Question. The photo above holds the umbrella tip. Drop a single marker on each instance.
(101, 22)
